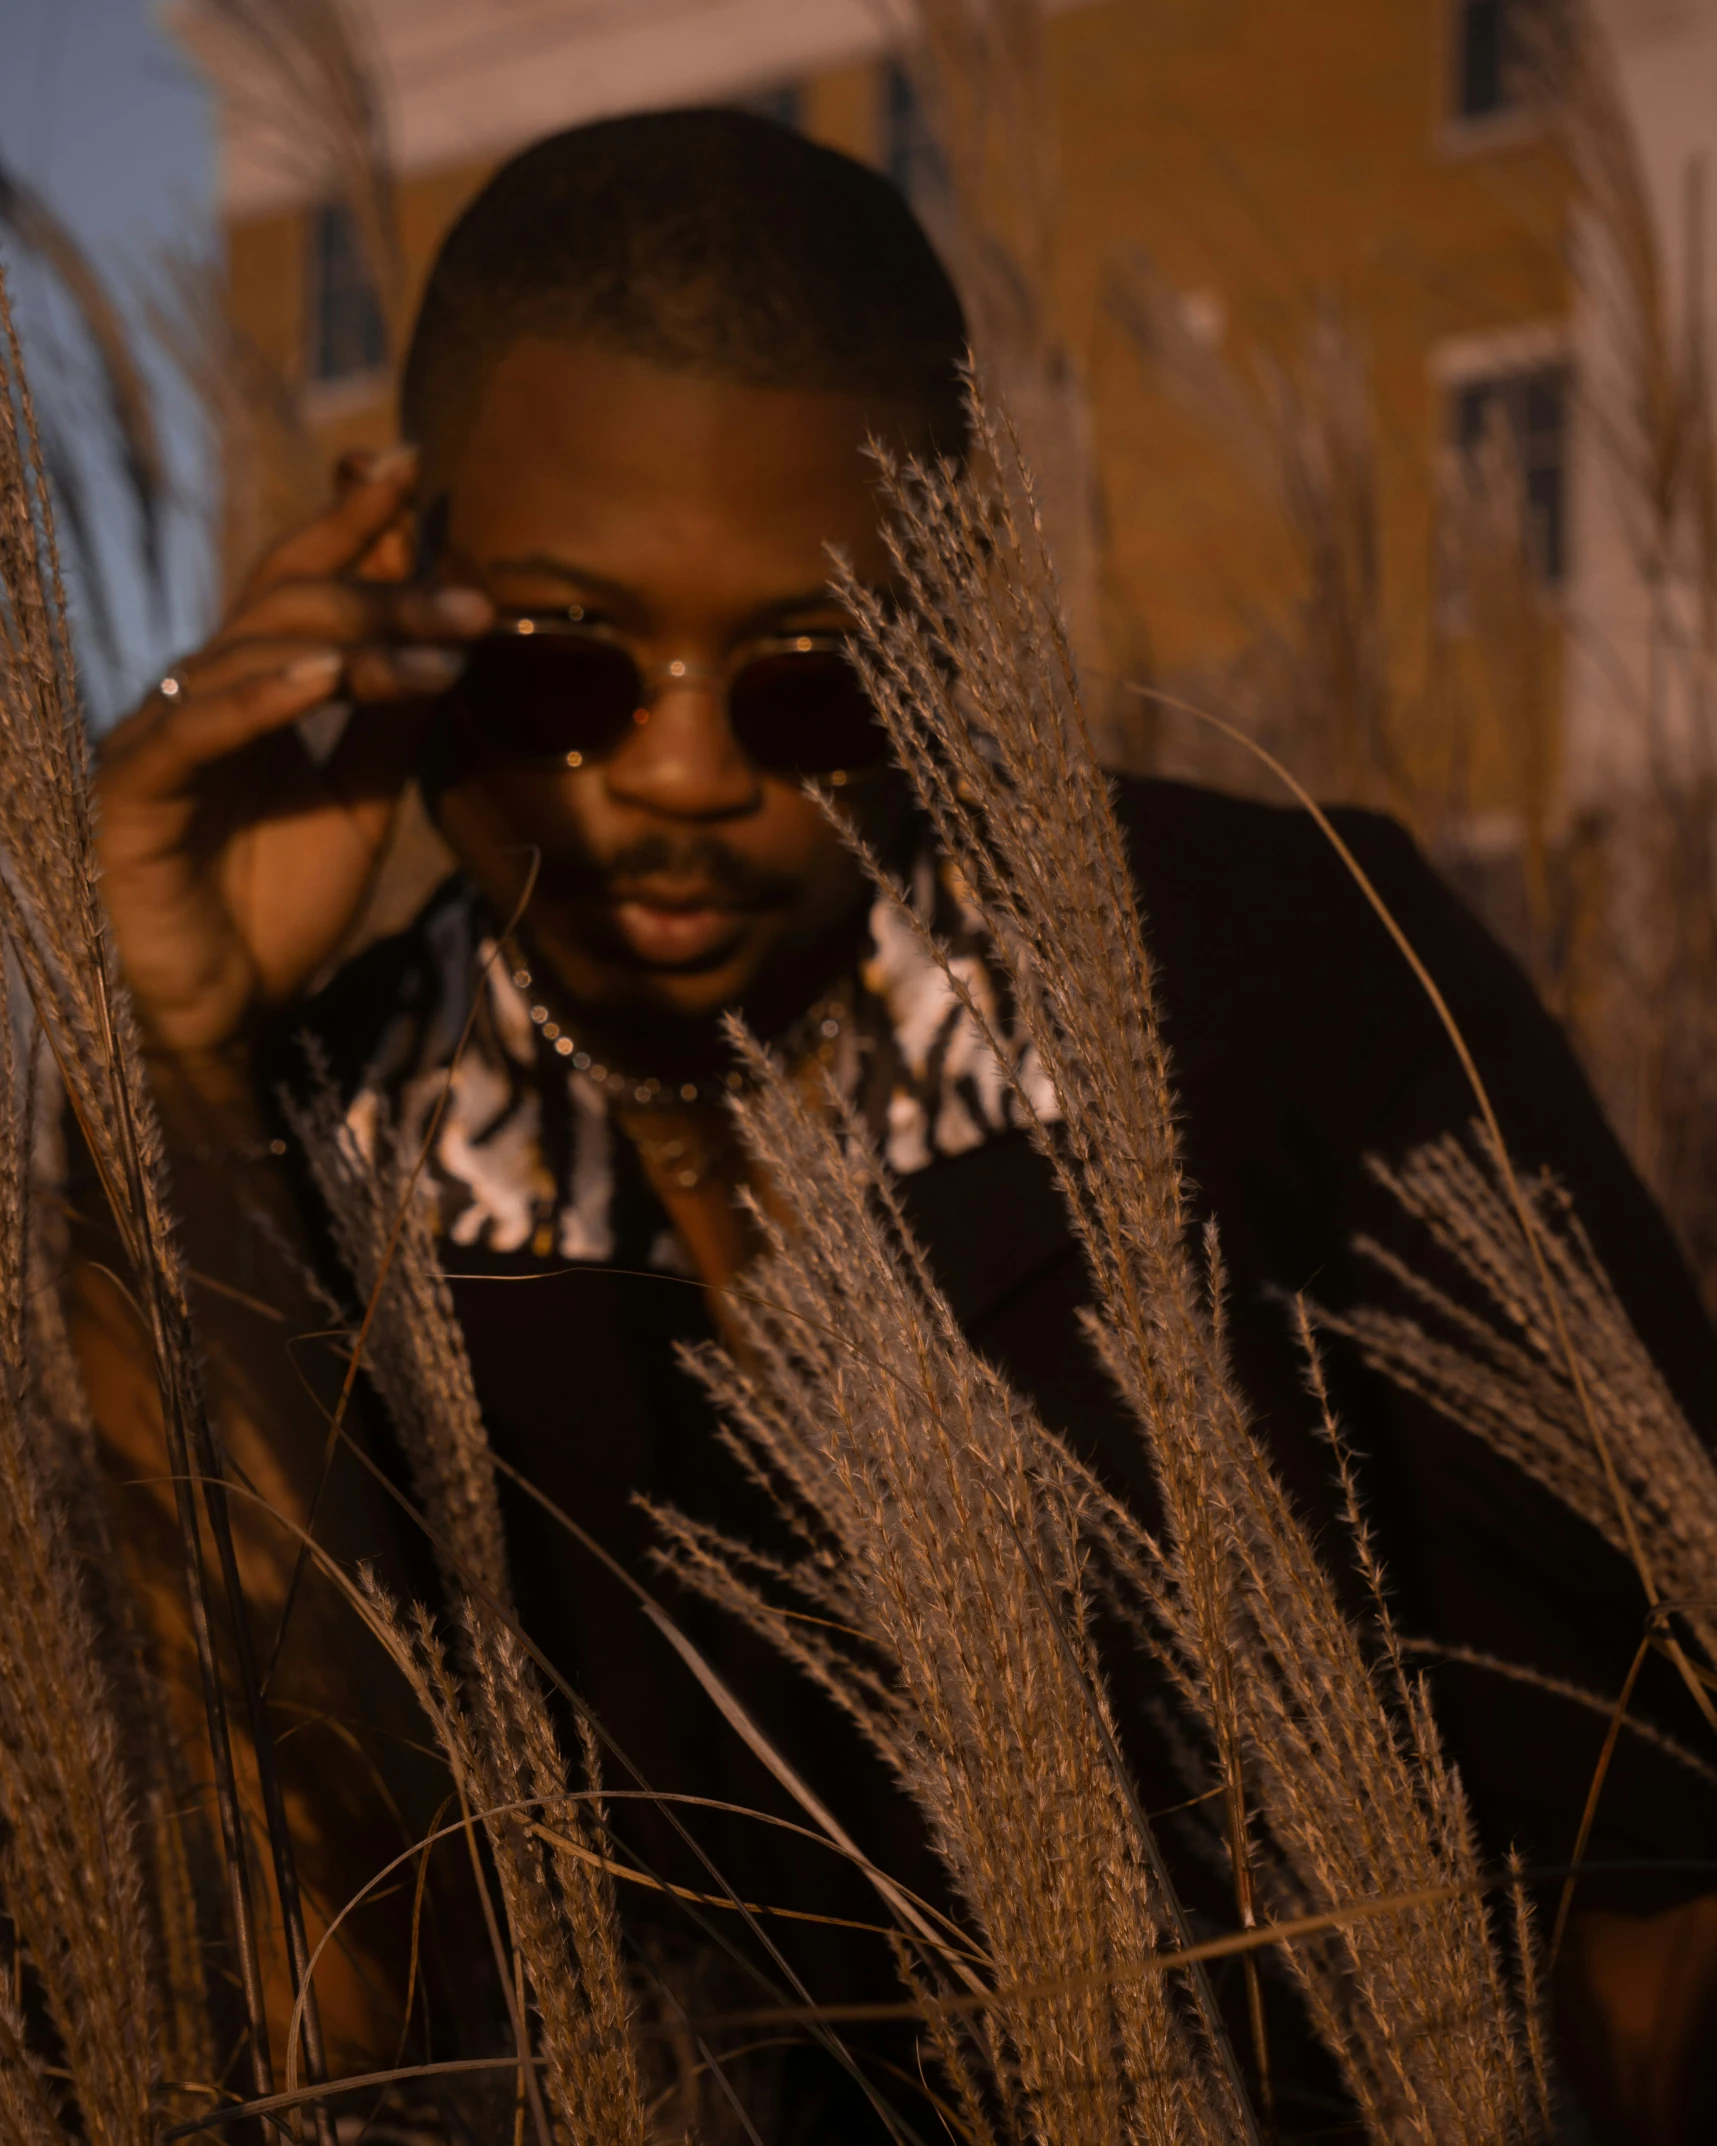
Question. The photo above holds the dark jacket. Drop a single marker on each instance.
(1301, 1044)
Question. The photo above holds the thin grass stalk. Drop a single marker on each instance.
(1504, 1372)
(1551, 1297)
(375, 1211)
(29, 2110)
(130, 405)
(71, 1878)
(713, 1685)
(557, 1891)
(308, 65)
(380, 1217)
(1318, 668)
(50, 908)
(1643, 995)
(983, 75)
(492, 1719)
(270, 475)
(1496, 1365)
(1322, 423)
(972, 675)
(172, 1843)
(937, 1524)
(364, 1599)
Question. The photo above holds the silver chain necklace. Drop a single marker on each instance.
(815, 1033)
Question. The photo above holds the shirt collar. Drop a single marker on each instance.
(526, 1155)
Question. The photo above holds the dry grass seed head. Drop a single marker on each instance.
(972, 677)
(491, 1718)
(1491, 1361)
(937, 1524)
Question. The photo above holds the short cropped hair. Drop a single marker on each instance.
(711, 241)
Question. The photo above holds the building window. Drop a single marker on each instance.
(911, 154)
(784, 103)
(1480, 87)
(347, 334)
(1492, 46)
(1533, 404)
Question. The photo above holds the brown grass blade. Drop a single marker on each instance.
(491, 1718)
(937, 1520)
(51, 913)
(972, 675)
(131, 405)
(72, 1878)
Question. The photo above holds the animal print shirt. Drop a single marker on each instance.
(526, 1156)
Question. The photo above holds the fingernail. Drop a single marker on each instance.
(466, 610)
(392, 463)
(429, 667)
(321, 728)
(320, 670)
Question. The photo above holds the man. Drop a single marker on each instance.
(587, 610)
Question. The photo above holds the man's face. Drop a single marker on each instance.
(688, 516)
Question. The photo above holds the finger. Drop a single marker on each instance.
(229, 662)
(351, 612)
(336, 540)
(157, 752)
(371, 671)
(412, 672)
(389, 556)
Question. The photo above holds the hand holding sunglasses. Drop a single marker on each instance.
(553, 690)
(234, 858)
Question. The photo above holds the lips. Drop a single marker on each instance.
(675, 927)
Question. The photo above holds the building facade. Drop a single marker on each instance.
(1278, 168)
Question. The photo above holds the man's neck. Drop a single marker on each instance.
(657, 1044)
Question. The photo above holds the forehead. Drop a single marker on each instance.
(648, 475)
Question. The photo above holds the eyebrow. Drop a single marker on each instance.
(583, 577)
(819, 598)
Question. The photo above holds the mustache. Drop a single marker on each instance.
(704, 860)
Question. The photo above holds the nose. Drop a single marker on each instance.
(682, 759)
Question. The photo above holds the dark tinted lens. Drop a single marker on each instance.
(548, 696)
(804, 712)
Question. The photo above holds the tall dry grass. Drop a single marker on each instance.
(100, 1905)
(1502, 1369)
(486, 1702)
(51, 914)
(1439, 688)
(982, 71)
(315, 97)
(1412, 701)
(1528, 1347)
(1643, 993)
(1243, 1606)
(105, 2005)
(940, 1598)
(122, 412)
(1315, 677)
(85, 1951)
(1320, 1740)
(942, 1528)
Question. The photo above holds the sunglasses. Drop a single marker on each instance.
(551, 691)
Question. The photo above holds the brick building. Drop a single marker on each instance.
(1270, 160)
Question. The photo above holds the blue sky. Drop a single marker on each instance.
(102, 115)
